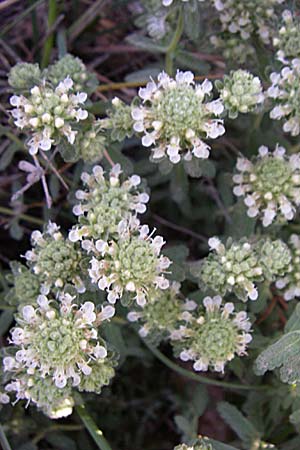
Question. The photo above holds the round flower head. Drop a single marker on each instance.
(91, 144)
(130, 265)
(73, 67)
(48, 114)
(231, 268)
(200, 444)
(275, 258)
(213, 337)
(169, 2)
(285, 93)
(290, 283)
(119, 120)
(233, 47)
(57, 343)
(247, 18)
(23, 76)
(55, 259)
(106, 202)
(240, 92)
(175, 118)
(162, 313)
(287, 39)
(26, 285)
(270, 185)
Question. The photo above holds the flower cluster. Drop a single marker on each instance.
(49, 113)
(56, 347)
(290, 283)
(24, 76)
(213, 336)
(130, 265)
(25, 285)
(162, 312)
(169, 2)
(119, 120)
(247, 19)
(285, 93)
(266, 198)
(105, 203)
(287, 40)
(201, 444)
(237, 266)
(233, 47)
(241, 92)
(175, 117)
(73, 67)
(91, 143)
(55, 259)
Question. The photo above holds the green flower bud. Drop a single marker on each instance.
(275, 258)
(92, 144)
(162, 313)
(26, 285)
(231, 268)
(73, 67)
(119, 121)
(241, 92)
(286, 97)
(287, 39)
(290, 283)
(201, 444)
(23, 76)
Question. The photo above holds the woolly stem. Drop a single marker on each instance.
(200, 379)
(3, 440)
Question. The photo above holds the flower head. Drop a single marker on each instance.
(55, 259)
(290, 283)
(201, 444)
(91, 144)
(49, 113)
(275, 258)
(24, 76)
(247, 19)
(241, 92)
(119, 121)
(73, 67)
(129, 266)
(162, 313)
(231, 268)
(106, 201)
(56, 347)
(214, 335)
(285, 92)
(175, 117)
(26, 285)
(264, 197)
(287, 39)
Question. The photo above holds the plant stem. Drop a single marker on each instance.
(11, 212)
(92, 428)
(52, 13)
(199, 378)
(173, 44)
(3, 440)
